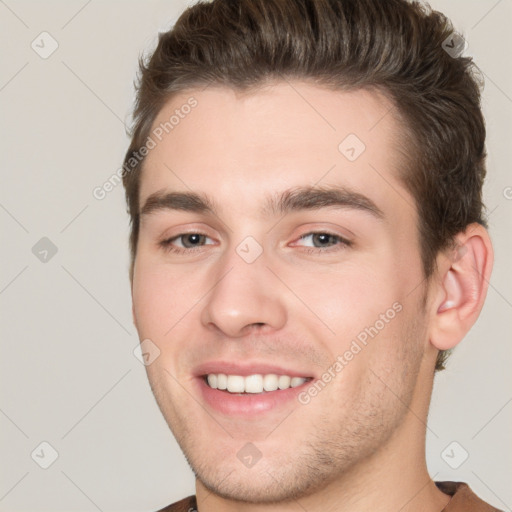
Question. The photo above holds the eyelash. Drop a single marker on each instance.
(342, 243)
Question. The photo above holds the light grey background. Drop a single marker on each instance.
(68, 373)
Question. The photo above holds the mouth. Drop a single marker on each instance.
(249, 390)
(255, 384)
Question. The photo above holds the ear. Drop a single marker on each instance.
(463, 279)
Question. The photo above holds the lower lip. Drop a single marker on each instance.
(248, 404)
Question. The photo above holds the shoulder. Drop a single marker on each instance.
(463, 498)
(186, 505)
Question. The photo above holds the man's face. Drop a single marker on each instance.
(278, 283)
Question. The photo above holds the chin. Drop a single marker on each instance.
(282, 478)
(256, 488)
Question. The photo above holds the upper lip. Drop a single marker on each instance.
(245, 369)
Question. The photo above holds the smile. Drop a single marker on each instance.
(255, 384)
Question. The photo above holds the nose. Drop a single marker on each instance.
(244, 296)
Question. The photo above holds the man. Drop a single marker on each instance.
(305, 189)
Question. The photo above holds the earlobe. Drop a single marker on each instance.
(463, 282)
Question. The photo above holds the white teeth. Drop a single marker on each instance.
(236, 384)
(222, 381)
(297, 381)
(284, 382)
(256, 383)
(270, 382)
(212, 380)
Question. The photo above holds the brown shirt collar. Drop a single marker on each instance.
(463, 500)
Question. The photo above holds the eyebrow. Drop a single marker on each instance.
(300, 198)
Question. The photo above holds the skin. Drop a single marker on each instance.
(360, 443)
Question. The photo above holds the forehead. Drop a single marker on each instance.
(218, 140)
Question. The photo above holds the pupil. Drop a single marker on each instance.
(323, 238)
(193, 239)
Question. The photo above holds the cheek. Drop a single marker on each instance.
(159, 299)
(352, 299)
(363, 313)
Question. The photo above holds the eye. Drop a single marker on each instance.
(322, 240)
(186, 242)
(312, 242)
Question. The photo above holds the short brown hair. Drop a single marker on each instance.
(394, 46)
